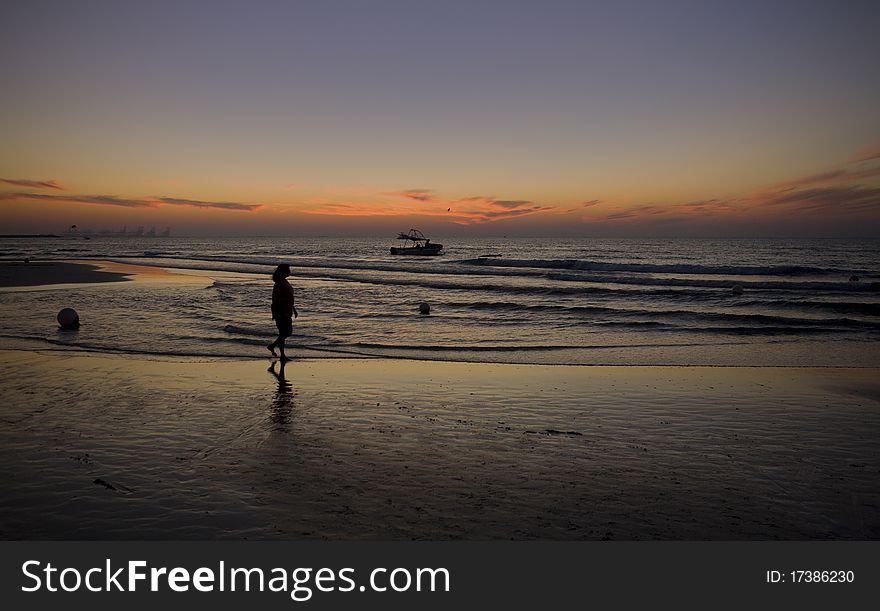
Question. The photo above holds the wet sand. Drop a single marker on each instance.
(36, 273)
(120, 447)
(57, 274)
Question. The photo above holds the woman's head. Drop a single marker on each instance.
(281, 272)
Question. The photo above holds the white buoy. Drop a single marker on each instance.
(424, 308)
(68, 318)
(737, 289)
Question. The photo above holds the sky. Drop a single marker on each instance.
(538, 118)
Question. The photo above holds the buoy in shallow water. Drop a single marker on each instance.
(737, 289)
(68, 318)
(424, 308)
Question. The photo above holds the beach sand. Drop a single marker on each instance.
(120, 447)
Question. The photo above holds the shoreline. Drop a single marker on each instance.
(315, 354)
(97, 446)
(228, 340)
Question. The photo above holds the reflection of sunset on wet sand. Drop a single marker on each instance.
(398, 450)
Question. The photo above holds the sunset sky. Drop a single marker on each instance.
(462, 118)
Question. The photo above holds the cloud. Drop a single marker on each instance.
(840, 199)
(832, 200)
(475, 209)
(707, 206)
(638, 211)
(868, 153)
(481, 209)
(835, 192)
(342, 209)
(195, 203)
(484, 209)
(34, 184)
(104, 200)
(499, 214)
(421, 195)
(837, 176)
(509, 204)
(112, 200)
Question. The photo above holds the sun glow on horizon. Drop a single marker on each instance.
(591, 119)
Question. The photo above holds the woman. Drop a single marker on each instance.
(283, 308)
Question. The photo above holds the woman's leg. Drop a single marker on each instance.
(284, 331)
(281, 347)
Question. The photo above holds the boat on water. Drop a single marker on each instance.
(415, 243)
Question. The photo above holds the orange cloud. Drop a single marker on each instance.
(868, 153)
(638, 211)
(33, 184)
(338, 209)
(462, 211)
(837, 199)
(840, 175)
(839, 191)
(194, 203)
(104, 200)
(112, 200)
(421, 195)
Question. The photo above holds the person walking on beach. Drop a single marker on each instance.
(283, 308)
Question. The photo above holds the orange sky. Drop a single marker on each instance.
(834, 200)
(279, 118)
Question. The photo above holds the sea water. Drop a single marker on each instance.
(525, 300)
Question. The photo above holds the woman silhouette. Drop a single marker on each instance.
(283, 308)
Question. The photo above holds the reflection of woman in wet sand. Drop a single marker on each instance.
(282, 405)
(283, 308)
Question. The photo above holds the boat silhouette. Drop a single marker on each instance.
(415, 243)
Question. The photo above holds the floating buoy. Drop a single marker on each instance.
(424, 308)
(68, 318)
(853, 278)
(737, 289)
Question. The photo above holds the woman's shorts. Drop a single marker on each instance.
(285, 326)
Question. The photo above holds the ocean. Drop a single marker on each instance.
(771, 302)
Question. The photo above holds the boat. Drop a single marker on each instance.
(415, 243)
